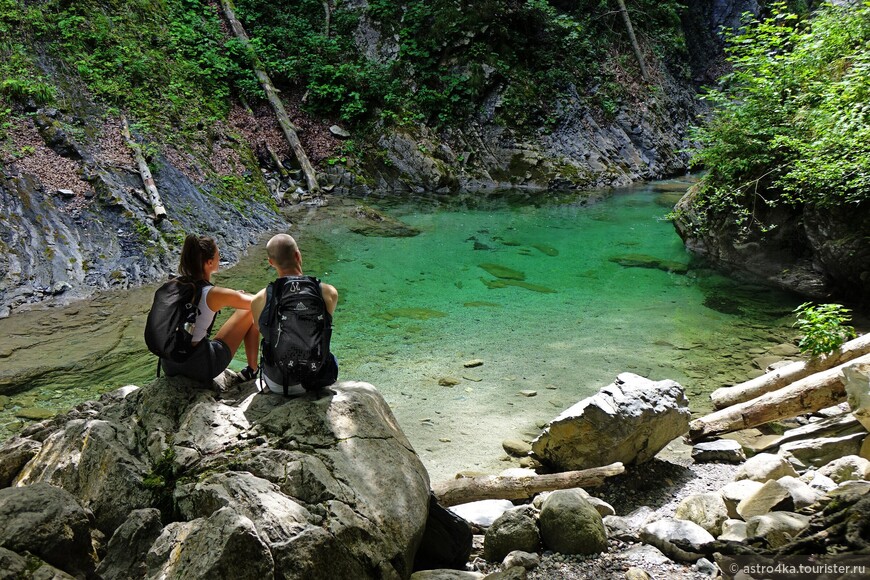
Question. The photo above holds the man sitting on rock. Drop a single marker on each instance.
(294, 316)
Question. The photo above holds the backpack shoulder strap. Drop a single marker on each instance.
(273, 298)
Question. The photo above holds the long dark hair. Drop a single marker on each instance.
(196, 251)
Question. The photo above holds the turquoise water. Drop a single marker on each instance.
(553, 296)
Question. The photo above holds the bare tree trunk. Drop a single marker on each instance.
(809, 394)
(272, 95)
(147, 179)
(328, 10)
(637, 53)
(727, 396)
(467, 489)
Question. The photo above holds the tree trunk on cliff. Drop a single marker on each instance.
(776, 379)
(153, 196)
(468, 489)
(272, 95)
(809, 394)
(630, 29)
(327, 8)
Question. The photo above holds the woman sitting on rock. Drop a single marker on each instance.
(200, 259)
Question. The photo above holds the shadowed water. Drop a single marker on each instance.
(556, 295)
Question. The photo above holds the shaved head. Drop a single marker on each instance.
(283, 251)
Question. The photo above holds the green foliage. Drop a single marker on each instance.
(792, 121)
(442, 59)
(823, 326)
(168, 63)
(162, 476)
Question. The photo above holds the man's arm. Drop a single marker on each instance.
(257, 305)
(330, 296)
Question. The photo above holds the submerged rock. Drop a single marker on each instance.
(645, 261)
(372, 222)
(493, 284)
(412, 313)
(503, 272)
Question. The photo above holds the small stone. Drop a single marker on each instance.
(516, 447)
(472, 363)
(726, 450)
(637, 574)
(526, 560)
(529, 393)
(448, 381)
(339, 132)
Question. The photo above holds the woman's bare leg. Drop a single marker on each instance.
(235, 329)
(252, 347)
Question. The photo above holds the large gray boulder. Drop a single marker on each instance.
(128, 547)
(629, 421)
(224, 545)
(47, 522)
(303, 485)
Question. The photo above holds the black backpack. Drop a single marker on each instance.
(296, 329)
(168, 329)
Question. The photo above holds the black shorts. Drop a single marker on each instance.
(209, 359)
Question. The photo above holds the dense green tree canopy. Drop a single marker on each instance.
(172, 63)
(792, 121)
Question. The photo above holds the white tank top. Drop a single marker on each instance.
(204, 318)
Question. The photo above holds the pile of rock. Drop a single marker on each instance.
(808, 498)
(768, 504)
(168, 481)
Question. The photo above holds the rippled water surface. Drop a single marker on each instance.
(554, 295)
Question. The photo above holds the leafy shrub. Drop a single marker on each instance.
(791, 123)
(823, 326)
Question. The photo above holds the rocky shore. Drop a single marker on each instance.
(173, 480)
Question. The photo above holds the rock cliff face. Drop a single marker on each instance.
(816, 252)
(73, 221)
(167, 481)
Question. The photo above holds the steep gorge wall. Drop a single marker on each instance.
(67, 232)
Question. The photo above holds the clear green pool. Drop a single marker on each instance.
(555, 295)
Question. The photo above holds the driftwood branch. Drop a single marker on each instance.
(634, 45)
(776, 379)
(287, 126)
(809, 394)
(468, 489)
(276, 160)
(147, 178)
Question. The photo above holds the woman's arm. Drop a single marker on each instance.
(219, 297)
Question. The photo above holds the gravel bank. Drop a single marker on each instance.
(659, 484)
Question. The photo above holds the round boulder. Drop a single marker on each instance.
(708, 510)
(571, 525)
(513, 530)
(764, 467)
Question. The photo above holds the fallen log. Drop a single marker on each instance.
(147, 178)
(287, 126)
(809, 394)
(468, 489)
(776, 379)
